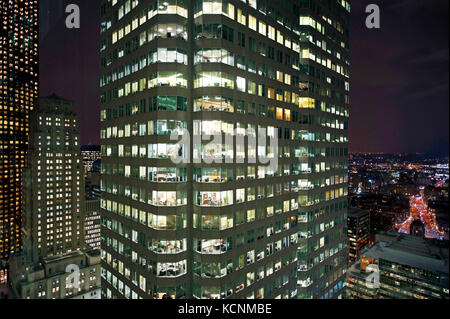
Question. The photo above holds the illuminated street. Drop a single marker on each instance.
(419, 210)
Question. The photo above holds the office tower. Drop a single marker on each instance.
(90, 154)
(92, 224)
(92, 161)
(54, 188)
(18, 91)
(401, 266)
(54, 210)
(358, 230)
(206, 217)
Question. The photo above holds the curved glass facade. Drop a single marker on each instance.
(228, 72)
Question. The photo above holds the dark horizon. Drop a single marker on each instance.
(398, 78)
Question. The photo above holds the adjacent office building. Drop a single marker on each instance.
(54, 211)
(18, 91)
(401, 266)
(206, 217)
(358, 230)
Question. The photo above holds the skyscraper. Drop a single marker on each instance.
(92, 223)
(358, 229)
(207, 217)
(91, 154)
(18, 91)
(54, 183)
(54, 210)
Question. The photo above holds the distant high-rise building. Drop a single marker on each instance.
(205, 218)
(358, 232)
(92, 224)
(401, 266)
(54, 209)
(92, 162)
(18, 94)
(54, 183)
(90, 154)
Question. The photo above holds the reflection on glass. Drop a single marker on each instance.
(167, 127)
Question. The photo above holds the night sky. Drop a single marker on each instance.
(399, 73)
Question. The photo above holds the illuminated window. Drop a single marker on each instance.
(252, 22)
(280, 38)
(279, 114)
(306, 103)
(240, 84)
(241, 18)
(271, 33)
(262, 28)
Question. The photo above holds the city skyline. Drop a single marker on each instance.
(224, 149)
(390, 113)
